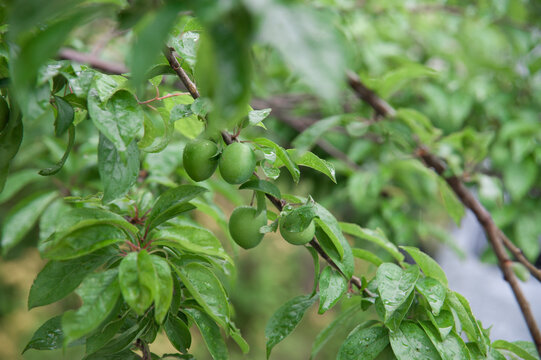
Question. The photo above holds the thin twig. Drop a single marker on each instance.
(175, 65)
(519, 255)
(143, 346)
(494, 234)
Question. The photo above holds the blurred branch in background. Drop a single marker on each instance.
(494, 234)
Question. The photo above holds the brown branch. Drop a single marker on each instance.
(143, 346)
(494, 234)
(175, 65)
(381, 107)
(93, 61)
(519, 255)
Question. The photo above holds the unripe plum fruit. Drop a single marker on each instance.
(200, 160)
(244, 225)
(237, 163)
(297, 238)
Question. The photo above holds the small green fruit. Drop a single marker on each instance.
(298, 238)
(200, 160)
(237, 163)
(244, 225)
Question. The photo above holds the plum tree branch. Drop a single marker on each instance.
(93, 61)
(494, 234)
(228, 139)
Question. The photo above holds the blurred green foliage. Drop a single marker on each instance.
(464, 77)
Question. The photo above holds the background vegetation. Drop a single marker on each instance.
(464, 78)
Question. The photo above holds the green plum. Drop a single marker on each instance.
(297, 238)
(200, 160)
(244, 225)
(237, 163)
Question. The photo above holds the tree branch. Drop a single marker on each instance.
(143, 346)
(494, 234)
(381, 107)
(92, 60)
(175, 65)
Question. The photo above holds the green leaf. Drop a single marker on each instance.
(328, 332)
(364, 343)
(283, 155)
(85, 237)
(306, 139)
(59, 278)
(118, 170)
(49, 336)
(99, 293)
(224, 58)
(433, 291)
(453, 206)
(237, 337)
(35, 49)
(515, 349)
(210, 333)
(256, 117)
(444, 321)
(476, 354)
(192, 239)
(375, 236)
(164, 294)
(286, 319)
(463, 311)
(122, 341)
(171, 203)
(332, 286)
(16, 182)
(366, 255)
(10, 140)
(64, 116)
(332, 236)
(428, 265)
(122, 355)
(411, 342)
(158, 131)
(178, 333)
(311, 160)
(263, 186)
(80, 217)
(106, 85)
(452, 346)
(315, 258)
(519, 177)
(395, 286)
(207, 290)
(395, 79)
(102, 336)
(419, 124)
(298, 219)
(393, 321)
(138, 280)
(307, 42)
(119, 119)
(20, 220)
(58, 166)
(345, 262)
(150, 38)
(186, 46)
